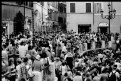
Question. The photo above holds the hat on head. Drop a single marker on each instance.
(28, 55)
(19, 60)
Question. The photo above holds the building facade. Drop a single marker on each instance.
(16, 17)
(53, 15)
(45, 16)
(62, 15)
(86, 17)
(40, 13)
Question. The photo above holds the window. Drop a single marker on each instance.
(20, 3)
(26, 3)
(30, 4)
(97, 8)
(72, 7)
(88, 7)
(64, 10)
(61, 9)
(120, 29)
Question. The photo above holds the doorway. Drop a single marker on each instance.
(103, 30)
(18, 23)
(84, 28)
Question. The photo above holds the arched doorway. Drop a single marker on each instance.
(18, 23)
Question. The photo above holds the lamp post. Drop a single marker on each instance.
(111, 14)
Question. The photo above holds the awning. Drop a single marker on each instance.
(85, 25)
(103, 25)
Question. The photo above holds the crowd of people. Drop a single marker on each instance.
(57, 56)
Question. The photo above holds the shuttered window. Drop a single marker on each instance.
(72, 7)
(88, 7)
(42, 3)
(97, 8)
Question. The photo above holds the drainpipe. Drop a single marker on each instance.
(93, 15)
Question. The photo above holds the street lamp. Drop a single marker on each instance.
(111, 14)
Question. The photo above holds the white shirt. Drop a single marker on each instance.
(18, 70)
(52, 69)
(22, 51)
(77, 78)
(118, 65)
(64, 69)
(26, 47)
(64, 49)
(5, 55)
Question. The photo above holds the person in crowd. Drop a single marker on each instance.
(19, 61)
(69, 59)
(77, 77)
(114, 75)
(23, 70)
(5, 53)
(37, 69)
(22, 50)
(12, 70)
(72, 54)
(4, 69)
(104, 75)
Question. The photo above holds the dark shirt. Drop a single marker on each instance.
(69, 61)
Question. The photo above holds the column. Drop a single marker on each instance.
(85, 46)
(8, 29)
(110, 44)
(93, 45)
(80, 47)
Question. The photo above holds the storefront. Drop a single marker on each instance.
(13, 15)
(103, 28)
(84, 28)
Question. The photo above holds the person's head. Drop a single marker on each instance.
(28, 56)
(52, 58)
(19, 61)
(63, 52)
(57, 59)
(63, 63)
(117, 60)
(114, 67)
(77, 73)
(87, 74)
(66, 74)
(3, 59)
(39, 51)
(22, 43)
(105, 70)
(11, 61)
(25, 60)
(4, 46)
